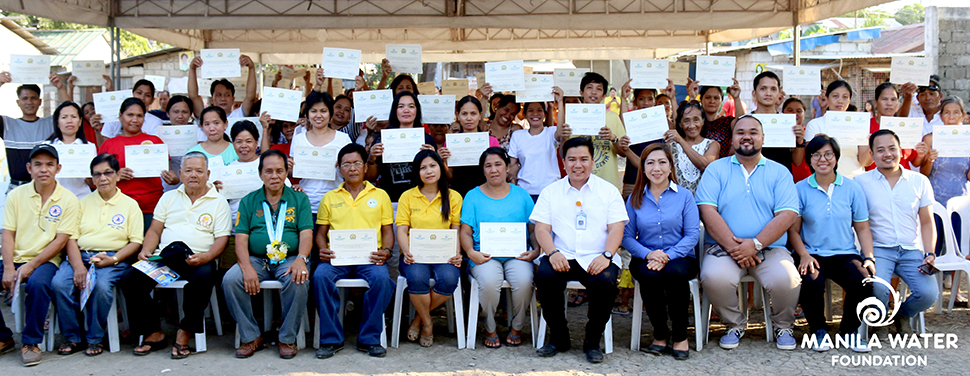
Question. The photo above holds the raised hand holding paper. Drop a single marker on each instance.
(538, 88)
(76, 160)
(179, 138)
(568, 80)
(404, 58)
(952, 141)
(341, 63)
(352, 247)
(30, 69)
(401, 144)
(376, 103)
(777, 130)
(108, 104)
(645, 125)
(147, 161)
(505, 75)
(88, 72)
(801, 80)
(437, 109)
(503, 239)
(910, 69)
(585, 119)
(648, 73)
(282, 104)
(315, 163)
(849, 128)
(909, 130)
(433, 246)
(466, 148)
(715, 70)
(220, 63)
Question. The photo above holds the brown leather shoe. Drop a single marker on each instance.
(287, 351)
(249, 348)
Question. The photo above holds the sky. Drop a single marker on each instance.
(895, 5)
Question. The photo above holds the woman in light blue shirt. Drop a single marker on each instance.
(663, 229)
(831, 207)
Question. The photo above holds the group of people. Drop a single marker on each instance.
(791, 217)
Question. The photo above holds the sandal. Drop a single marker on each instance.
(413, 333)
(155, 346)
(69, 348)
(426, 341)
(494, 339)
(177, 351)
(513, 339)
(94, 349)
(576, 301)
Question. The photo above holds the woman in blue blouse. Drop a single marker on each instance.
(663, 256)
(830, 208)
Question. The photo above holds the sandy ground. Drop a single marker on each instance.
(754, 356)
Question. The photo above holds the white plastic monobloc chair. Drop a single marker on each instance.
(607, 332)
(953, 259)
(19, 309)
(474, 306)
(695, 292)
(268, 314)
(342, 286)
(456, 316)
(179, 286)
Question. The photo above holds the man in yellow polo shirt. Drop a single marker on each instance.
(38, 220)
(356, 204)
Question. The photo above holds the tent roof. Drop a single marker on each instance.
(68, 43)
(295, 31)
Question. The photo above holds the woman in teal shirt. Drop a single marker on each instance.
(217, 145)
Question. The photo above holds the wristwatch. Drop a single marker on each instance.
(869, 259)
(928, 254)
(608, 255)
(757, 244)
(306, 260)
(552, 253)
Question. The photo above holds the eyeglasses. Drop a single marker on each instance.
(357, 164)
(107, 174)
(827, 155)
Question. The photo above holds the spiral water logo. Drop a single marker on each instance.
(872, 311)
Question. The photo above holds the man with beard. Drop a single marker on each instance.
(747, 203)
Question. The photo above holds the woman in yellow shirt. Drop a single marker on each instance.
(429, 205)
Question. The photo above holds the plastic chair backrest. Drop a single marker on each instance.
(960, 207)
(949, 240)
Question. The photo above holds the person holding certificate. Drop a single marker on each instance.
(579, 225)
(691, 150)
(244, 139)
(143, 90)
(110, 231)
(22, 134)
(799, 169)
(718, 124)
(887, 104)
(67, 116)
(535, 164)
(179, 112)
(317, 111)
(147, 191)
(429, 205)
(838, 97)
(642, 98)
(468, 111)
(395, 178)
(497, 201)
(661, 235)
(216, 144)
(222, 92)
(402, 82)
(274, 235)
(948, 175)
(502, 125)
(356, 204)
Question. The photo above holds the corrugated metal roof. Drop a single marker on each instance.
(68, 43)
(908, 38)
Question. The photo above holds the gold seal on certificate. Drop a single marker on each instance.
(502, 239)
(147, 161)
(76, 160)
(585, 119)
(352, 247)
(433, 246)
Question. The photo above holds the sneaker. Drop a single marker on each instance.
(785, 339)
(861, 344)
(731, 339)
(821, 345)
(328, 351)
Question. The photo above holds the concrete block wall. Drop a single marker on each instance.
(951, 43)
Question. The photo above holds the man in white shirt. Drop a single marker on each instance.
(903, 229)
(222, 92)
(579, 241)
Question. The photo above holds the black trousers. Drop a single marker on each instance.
(665, 293)
(143, 313)
(847, 272)
(601, 290)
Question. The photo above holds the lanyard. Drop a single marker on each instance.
(275, 233)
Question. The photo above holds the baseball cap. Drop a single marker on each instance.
(44, 148)
(934, 84)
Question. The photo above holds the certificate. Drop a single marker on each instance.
(89, 72)
(715, 70)
(952, 140)
(678, 72)
(585, 119)
(178, 85)
(30, 69)
(910, 69)
(179, 138)
(401, 144)
(466, 148)
(76, 160)
(314, 162)
(645, 125)
(352, 247)
(341, 63)
(505, 75)
(437, 109)
(159, 82)
(108, 105)
(569, 80)
(802, 80)
(457, 87)
(238, 180)
(502, 239)
(538, 88)
(480, 80)
(909, 130)
(433, 246)
(220, 63)
(147, 161)
(404, 58)
(849, 128)
(376, 103)
(427, 88)
(777, 129)
(648, 73)
(282, 104)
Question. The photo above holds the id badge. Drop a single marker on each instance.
(581, 221)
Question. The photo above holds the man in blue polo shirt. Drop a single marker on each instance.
(747, 203)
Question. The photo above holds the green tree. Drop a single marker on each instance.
(910, 14)
(131, 44)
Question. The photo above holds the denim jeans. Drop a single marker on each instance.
(37, 301)
(376, 300)
(905, 263)
(419, 278)
(68, 299)
(293, 297)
